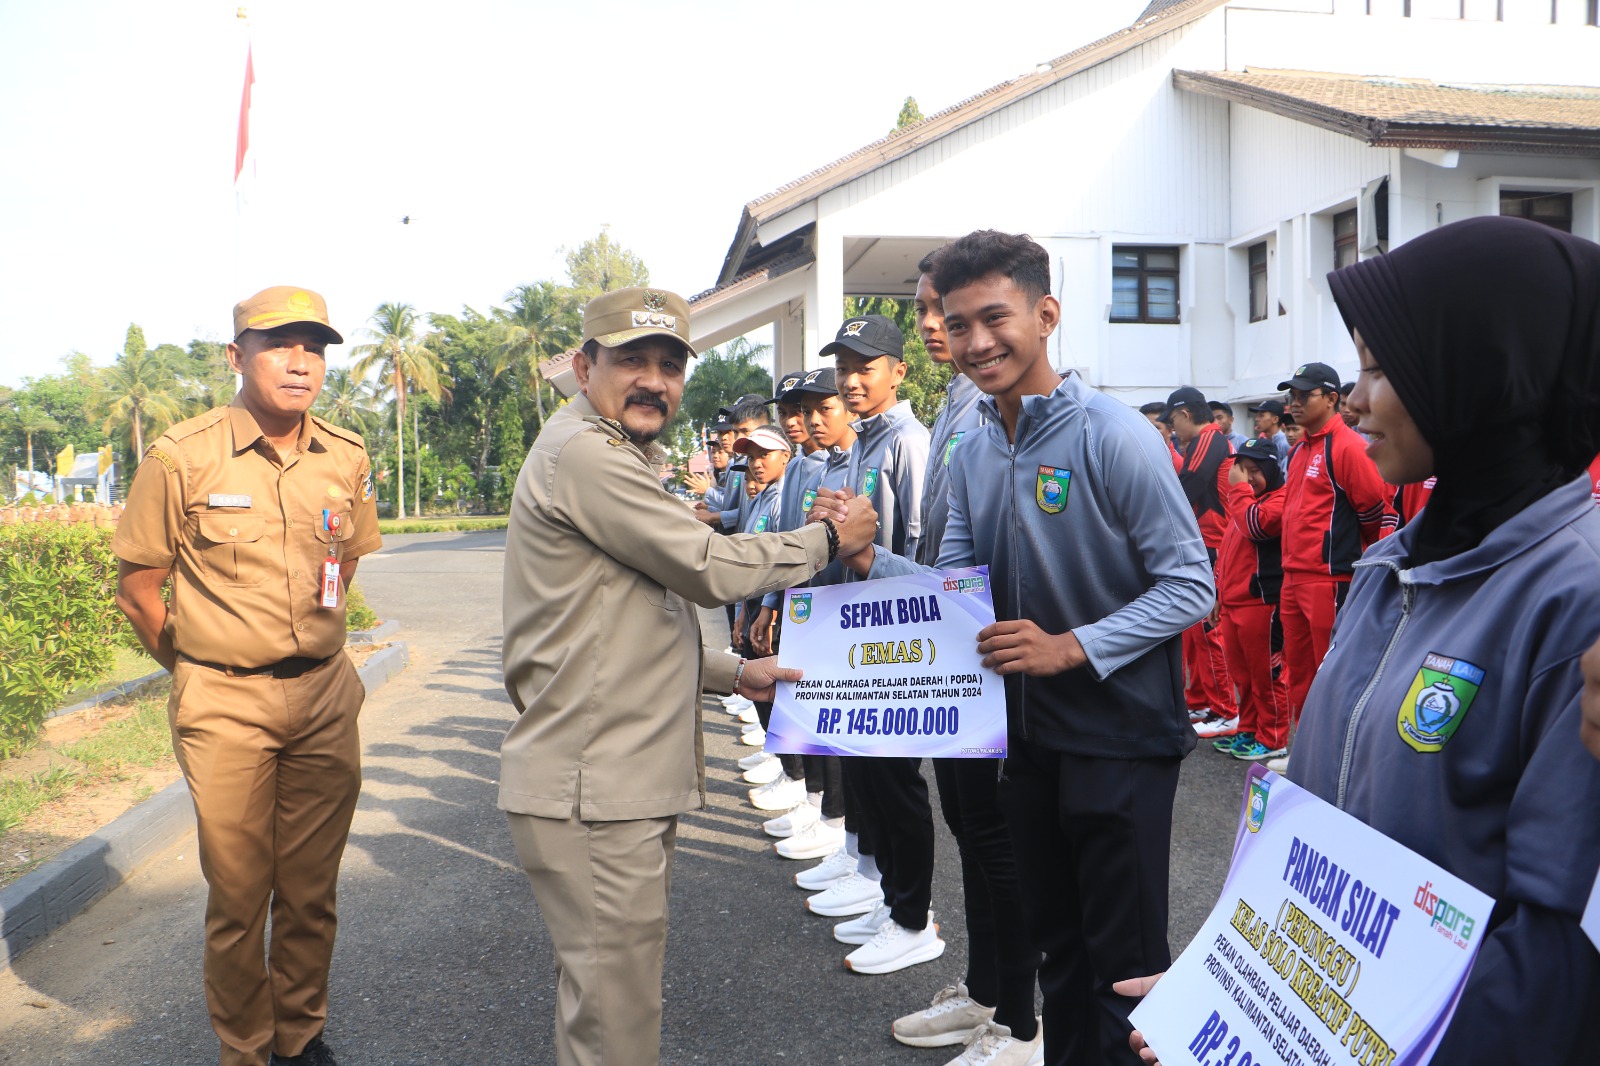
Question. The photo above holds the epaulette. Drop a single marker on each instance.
(198, 424)
(609, 425)
(339, 431)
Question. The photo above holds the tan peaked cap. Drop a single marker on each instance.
(284, 305)
(622, 315)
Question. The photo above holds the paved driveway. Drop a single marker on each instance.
(441, 956)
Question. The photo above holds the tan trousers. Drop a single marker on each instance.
(602, 889)
(274, 769)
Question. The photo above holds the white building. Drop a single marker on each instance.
(1195, 176)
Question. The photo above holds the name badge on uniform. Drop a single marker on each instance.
(227, 499)
(330, 565)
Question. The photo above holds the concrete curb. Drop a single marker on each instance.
(127, 688)
(70, 882)
(378, 634)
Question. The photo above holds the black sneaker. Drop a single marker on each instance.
(315, 1053)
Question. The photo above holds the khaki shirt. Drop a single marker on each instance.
(244, 537)
(602, 647)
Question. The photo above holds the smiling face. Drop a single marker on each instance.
(930, 320)
(637, 385)
(1403, 456)
(1253, 475)
(999, 337)
(792, 420)
(869, 385)
(282, 371)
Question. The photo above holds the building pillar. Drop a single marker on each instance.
(824, 302)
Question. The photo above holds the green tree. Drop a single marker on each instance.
(509, 446)
(133, 344)
(543, 320)
(137, 389)
(910, 115)
(349, 401)
(31, 420)
(404, 366)
(600, 264)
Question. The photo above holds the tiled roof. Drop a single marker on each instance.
(751, 278)
(1415, 112)
(902, 142)
(1156, 7)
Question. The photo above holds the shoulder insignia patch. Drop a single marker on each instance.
(161, 457)
(366, 487)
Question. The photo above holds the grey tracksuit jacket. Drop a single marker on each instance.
(1084, 527)
(959, 417)
(1446, 716)
(888, 463)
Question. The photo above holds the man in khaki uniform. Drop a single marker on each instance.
(258, 511)
(604, 662)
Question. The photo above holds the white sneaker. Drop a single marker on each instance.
(765, 771)
(995, 1046)
(782, 793)
(749, 715)
(755, 738)
(1279, 765)
(749, 762)
(858, 931)
(734, 704)
(953, 1017)
(811, 842)
(1217, 726)
(1198, 714)
(853, 895)
(894, 947)
(750, 727)
(787, 825)
(830, 871)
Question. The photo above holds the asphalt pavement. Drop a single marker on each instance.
(441, 955)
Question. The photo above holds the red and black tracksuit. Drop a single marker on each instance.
(1205, 662)
(1594, 478)
(1249, 578)
(1336, 504)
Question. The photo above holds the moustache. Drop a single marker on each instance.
(644, 399)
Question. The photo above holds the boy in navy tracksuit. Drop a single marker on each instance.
(1097, 568)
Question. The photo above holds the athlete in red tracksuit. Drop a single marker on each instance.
(1594, 476)
(1205, 662)
(1336, 504)
(1249, 576)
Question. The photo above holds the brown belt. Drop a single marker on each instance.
(288, 668)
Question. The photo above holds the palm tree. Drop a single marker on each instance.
(538, 324)
(404, 365)
(28, 420)
(137, 387)
(349, 401)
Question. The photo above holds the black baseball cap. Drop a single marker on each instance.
(1221, 408)
(1271, 407)
(821, 382)
(724, 422)
(1313, 376)
(1189, 397)
(1261, 448)
(868, 335)
(786, 384)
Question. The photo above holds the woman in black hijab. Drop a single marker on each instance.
(1480, 366)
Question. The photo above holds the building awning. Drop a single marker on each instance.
(1415, 112)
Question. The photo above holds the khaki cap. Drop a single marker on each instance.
(623, 315)
(284, 305)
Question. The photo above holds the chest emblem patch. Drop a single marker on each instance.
(950, 445)
(799, 607)
(869, 483)
(1437, 702)
(1050, 491)
(761, 524)
(809, 499)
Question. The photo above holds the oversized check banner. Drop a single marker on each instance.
(1331, 944)
(891, 668)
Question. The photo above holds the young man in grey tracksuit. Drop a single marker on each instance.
(1097, 567)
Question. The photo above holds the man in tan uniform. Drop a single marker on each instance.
(258, 511)
(604, 662)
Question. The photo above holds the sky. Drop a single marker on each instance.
(507, 131)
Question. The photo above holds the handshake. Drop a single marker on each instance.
(856, 520)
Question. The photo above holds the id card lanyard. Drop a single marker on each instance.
(330, 565)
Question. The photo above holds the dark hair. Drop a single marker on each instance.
(1198, 415)
(986, 251)
(750, 411)
(925, 264)
(1154, 407)
(591, 349)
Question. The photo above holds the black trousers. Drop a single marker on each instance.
(896, 820)
(793, 767)
(824, 774)
(1002, 963)
(1092, 839)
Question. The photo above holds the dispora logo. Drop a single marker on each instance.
(963, 584)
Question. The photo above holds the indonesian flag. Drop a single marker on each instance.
(244, 164)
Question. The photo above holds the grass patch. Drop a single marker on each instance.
(136, 742)
(127, 665)
(20, 797)
(464, 524)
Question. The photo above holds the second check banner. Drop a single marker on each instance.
(891, 669)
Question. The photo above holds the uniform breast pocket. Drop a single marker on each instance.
(233, 548)
(338, 528)
(659, 596)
